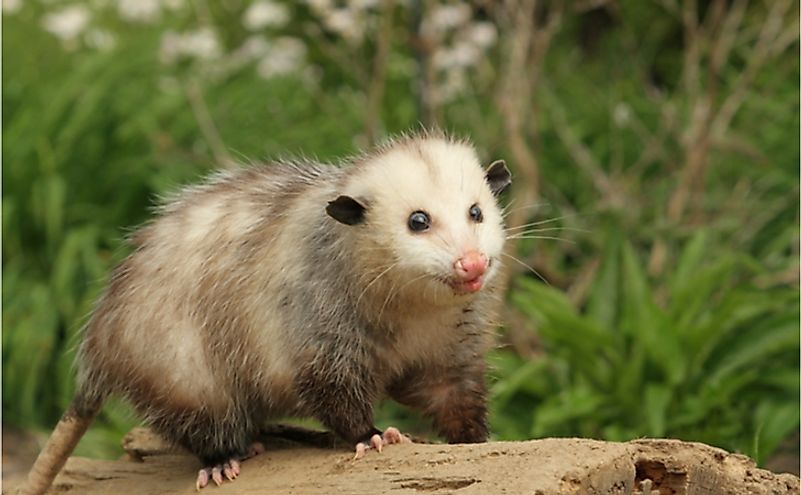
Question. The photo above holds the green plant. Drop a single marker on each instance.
(94, 131)
(704, 355)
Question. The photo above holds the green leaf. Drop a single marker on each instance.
(604, 298)
(655, 407)
(775, 421)
(775, 335)
(645, 321)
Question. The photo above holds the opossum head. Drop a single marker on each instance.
(426, 212)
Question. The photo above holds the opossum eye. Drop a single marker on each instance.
(476, 214)
(419, 221)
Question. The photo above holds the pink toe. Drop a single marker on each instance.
(235, 467)
(216, 475)
(360, 450)
(202, 479)
(393, 435)
(376, 442)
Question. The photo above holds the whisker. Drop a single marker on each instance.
(386, 301)
(548, 229)
(544, 237)
(394, 290)
(506, 211)
(548, 220)
(535, 272)
(364, 291)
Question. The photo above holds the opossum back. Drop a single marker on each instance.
(182, 308)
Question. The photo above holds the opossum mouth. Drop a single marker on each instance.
(467, 286)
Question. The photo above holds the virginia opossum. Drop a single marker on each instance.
(301, 289)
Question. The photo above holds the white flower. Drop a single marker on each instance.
(454, 85)
(139, 10)
(462, 54)
(482, 34)
(201, 44)
(265, 13)
(445, 17)
(344, 22)
(67, 23)
(11, 6)
(253, 47)
(465, 54)
(285, 56)
(99, 39)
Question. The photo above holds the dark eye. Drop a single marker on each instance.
(419, 221)
(475, 214)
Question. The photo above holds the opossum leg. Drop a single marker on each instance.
(455, 398)
(342, 405)
(390, 436)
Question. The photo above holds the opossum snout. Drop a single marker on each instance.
(473, 264)
(469, 271)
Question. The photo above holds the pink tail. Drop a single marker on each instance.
(66, 435)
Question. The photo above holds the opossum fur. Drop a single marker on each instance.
(298, 289)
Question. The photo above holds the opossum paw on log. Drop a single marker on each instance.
(230, 470)
(391, 435)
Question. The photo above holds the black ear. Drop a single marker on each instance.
(346, 210)
(498, 177)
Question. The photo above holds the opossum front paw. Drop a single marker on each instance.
(230, 469)
(391, 435)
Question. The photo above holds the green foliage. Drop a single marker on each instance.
(712, 358)
(705, 349)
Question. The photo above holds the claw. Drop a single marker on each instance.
(202, 479)
(216, 475)
(360, 450)
(393, 435)
(377, 442)
(228, 472)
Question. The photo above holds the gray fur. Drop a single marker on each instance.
(188, 324)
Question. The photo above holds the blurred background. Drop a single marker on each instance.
(654, 217)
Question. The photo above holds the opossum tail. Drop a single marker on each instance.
(69, 430)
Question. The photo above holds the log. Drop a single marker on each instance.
(307, 462)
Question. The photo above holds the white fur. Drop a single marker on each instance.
(444, 179)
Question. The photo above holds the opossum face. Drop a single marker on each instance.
(430, 213)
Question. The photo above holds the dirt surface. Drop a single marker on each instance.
(302, 462)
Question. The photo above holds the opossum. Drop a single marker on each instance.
(301, 289)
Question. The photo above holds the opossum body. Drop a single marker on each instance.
(302, 289)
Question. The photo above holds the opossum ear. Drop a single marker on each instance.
(498, 177)
(346, 210)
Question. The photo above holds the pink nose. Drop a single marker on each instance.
(471, 266)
